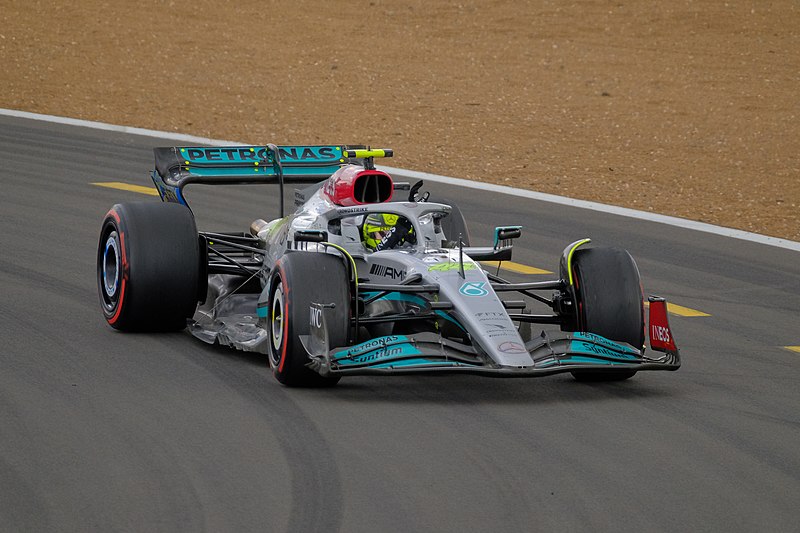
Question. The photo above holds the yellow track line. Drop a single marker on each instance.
(127, 187)
(515, 267)
(792, 348)
(679, 310)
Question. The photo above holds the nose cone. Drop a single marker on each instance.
(480, 311)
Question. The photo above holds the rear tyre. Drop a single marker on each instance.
(148, 266)
(298, 280)
(609, 302)
(454, 225)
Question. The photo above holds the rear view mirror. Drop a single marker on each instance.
(504, 234)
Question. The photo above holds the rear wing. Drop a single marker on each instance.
(176, 167)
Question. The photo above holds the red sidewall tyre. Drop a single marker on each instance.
(299, 279)
(148, 266)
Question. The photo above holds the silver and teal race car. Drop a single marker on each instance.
(367, 276)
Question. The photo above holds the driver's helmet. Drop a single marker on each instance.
(377, 226)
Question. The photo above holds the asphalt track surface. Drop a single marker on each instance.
(104, 431)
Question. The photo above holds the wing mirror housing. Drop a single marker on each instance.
(503, 235)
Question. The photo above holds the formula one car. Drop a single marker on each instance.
(367, 276)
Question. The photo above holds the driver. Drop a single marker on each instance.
(383, 231)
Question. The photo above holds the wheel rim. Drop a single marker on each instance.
(111, 268)
(276, 321)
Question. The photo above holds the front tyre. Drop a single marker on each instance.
(298, 280)
(148, 266)
(608, 302)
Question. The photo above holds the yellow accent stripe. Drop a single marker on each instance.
(127, 187)
(348, 256)
(793, 348)
(363, 154)
(679, 310)
(515, 267)
(569, 257)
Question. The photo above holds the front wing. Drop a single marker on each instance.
(552, 353)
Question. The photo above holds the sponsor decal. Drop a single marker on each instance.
(370, 345)
(381, 245)
(223, 154)
(250, 154)
(376, 350)
(324, 153)
(350, 210)
(602, 341)
(495, 325)
(450, 266)
(660, 333)
(386, 271)
(315, 319)
(511, 347)
(494, 330)
(590, 348)
(380, 354)
(473, 288)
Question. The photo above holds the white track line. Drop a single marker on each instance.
(502, 189)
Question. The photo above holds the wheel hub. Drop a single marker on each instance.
(111, 266)
(276, 318)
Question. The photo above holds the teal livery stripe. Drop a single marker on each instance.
(591, 344)
(579, 359)
(419, 363)
(253, 161)
(593, 350)
(381, 354)
(263, 170)
(378, 349)
(592, 360)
